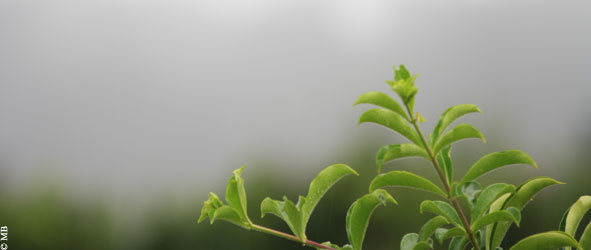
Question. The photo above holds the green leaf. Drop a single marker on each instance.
(443, 209)
(458, 243)
(547, 240)
(390, 119)
(235, 194)
(522, 195)
(382, 100)
(460, 132)
(444, 160)
(512, 215)
(409, 241)
(229, 214)
(576, 213)
(495, 160)
(450, 115)
(430, 227)
(288, 212)
(487, 196)
(335, 246)
(405, 179)
(470, 190)
(439, 232)
(209, 207)
(423, 245)
(585, 240)
(403, 85)
(360, 212)
(453, 232)
(320, 185)
(397, 151)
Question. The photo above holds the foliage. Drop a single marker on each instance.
(490, 212)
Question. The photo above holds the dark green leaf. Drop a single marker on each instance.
(382, 100)
(450, 115)
(443, 209)
(547, 240)
(360, 212)
(495, 160)
(488, 195)
(389, 119)
(430, 227)
(405, 179)
(460, 132)
(397, 151)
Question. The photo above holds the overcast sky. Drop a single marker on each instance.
(152, 96)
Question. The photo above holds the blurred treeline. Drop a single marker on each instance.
(45, 216)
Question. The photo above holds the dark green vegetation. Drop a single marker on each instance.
(482, 223)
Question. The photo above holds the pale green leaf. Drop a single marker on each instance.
(495, 160)
(227, 213)
(405, 179)
(439, 232)
(450, 115)
(576, 213)
(382, 100)
(390, 119)
(487, 196)
(397, 151)
(320, 185)
(441, 208)
(209, 207)
(458, 243)
(430, 227)
(360, 212)
(497, 205)
(585, 240)
(453, 232)
(496, 216)
(469, 190)
(409, 241)
(547, 240)
(444, 161)
(235, 194)
(293, 214)
(422, 245)
(459, 132)
(522, 195)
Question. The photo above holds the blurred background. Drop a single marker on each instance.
(117, 117)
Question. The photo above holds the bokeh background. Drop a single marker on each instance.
(117, 117)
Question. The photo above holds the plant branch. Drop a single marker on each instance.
(453, 200)
(289, 237)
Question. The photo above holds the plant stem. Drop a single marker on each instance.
(453, 200)
(289, 237)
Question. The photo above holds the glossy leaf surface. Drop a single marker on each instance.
(496, 160)
(360, 212)
(547, 240)
(404, 179)
(397, 151)
(576, 213)
(441, 208)
(450, 115)
(390, 119)
(460, 132)
(382, 100)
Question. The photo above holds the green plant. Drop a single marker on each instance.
(483, 224)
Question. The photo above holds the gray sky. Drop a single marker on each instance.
(163, 96)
